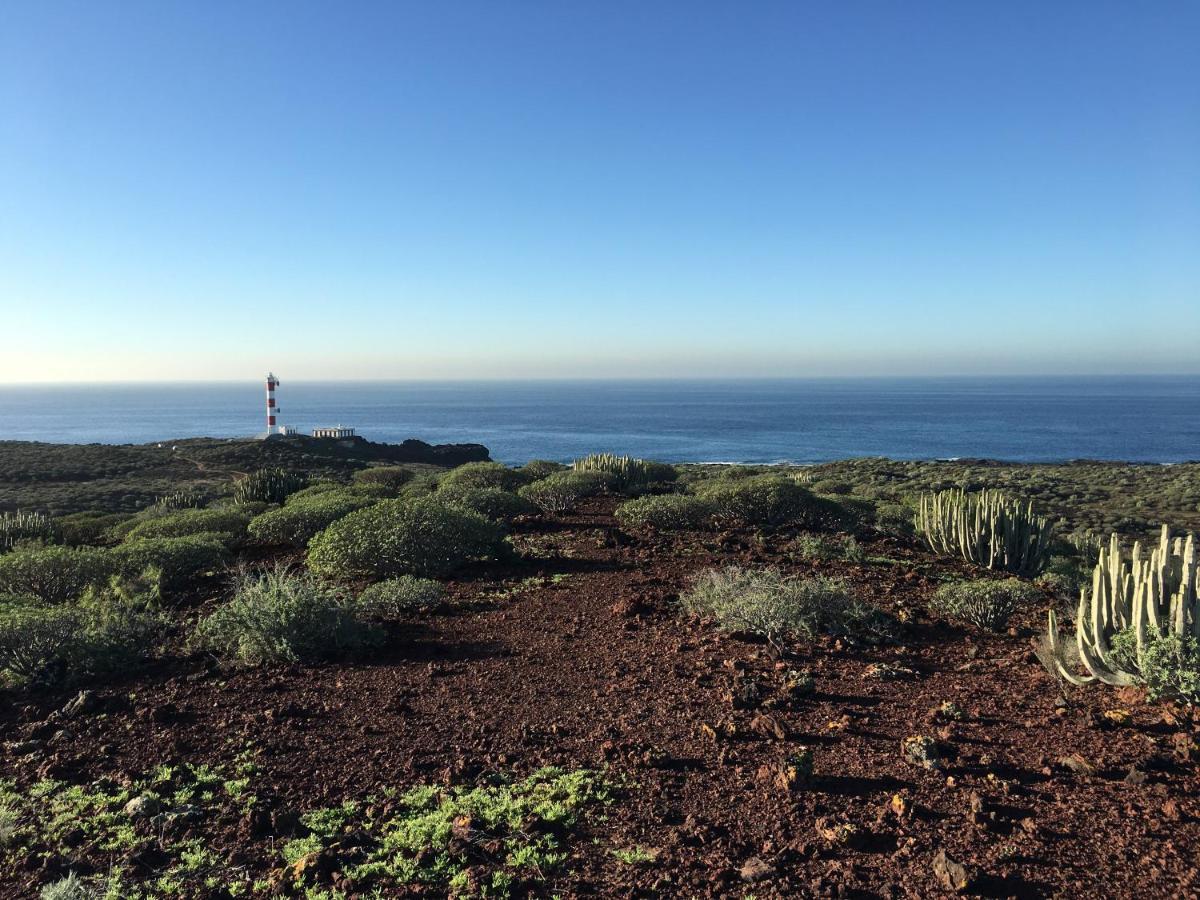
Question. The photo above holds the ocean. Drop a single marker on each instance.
(1145, 419)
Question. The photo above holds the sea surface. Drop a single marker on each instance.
(1148, 419)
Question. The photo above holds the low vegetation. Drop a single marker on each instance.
(987, 603)
(403, 537)
(280, 616)
(400, 596)
(297, 522)
(780, 608)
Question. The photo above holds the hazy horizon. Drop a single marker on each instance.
(537, 191)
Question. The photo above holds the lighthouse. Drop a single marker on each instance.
(272, 409)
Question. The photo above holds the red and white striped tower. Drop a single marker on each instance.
(272, 409)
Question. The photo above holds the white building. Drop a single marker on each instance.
(338, 431)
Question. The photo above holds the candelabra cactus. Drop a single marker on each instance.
(626, 469)
(988, 528)
(1149, 598)
(16, 527)
(267, 486)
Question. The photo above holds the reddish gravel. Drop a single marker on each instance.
(598, 669)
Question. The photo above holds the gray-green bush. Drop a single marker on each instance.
(491, 503)
(54, 574)
(482, 475)
(298, 521)
(779, 607)
(768, 500)
(1169, 667)
(987, 603)
(536, 469)
(391, 477)
(403, 537)
(187, 522)
(559, 492)
(400, 596)
(179, 559)
(667, 512)
(112, 630)
(280, 616)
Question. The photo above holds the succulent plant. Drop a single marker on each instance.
(16, 527)
(989, 528)
(1152, 597)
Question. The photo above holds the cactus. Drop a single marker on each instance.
(628, 470)
(1152, 597)
(267, 486)
(988, 528)
(181, 500)
(16, 527)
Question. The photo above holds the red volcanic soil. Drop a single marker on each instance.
(598, 669)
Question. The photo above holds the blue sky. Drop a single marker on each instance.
(519, 189)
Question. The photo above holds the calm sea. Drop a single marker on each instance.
(1151, 419)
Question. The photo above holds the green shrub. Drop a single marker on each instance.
(403, 537)
(268, 486)
(53, 574)
(400, 596)
(390, 477)
(295, 523)
(896, 518)
(315, 489)
(482, 475)
(111, 631)
(558, 493)
(491, 503)
(666, 512)
(777, 607)
(627, 472)
(85, 528)
(1169, 667)
(767, 500)
(187, 522)
(179, 559)
(26, 527)
(280, 616)
(987, 603)
(537, 469)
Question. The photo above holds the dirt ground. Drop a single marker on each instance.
(577, 656)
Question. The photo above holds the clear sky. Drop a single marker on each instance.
(497, 189)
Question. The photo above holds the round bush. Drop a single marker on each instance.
(987, 604)
(497, 505)
(398, 596)
(54, 574)
(767, 500)
(668, 512)
(297, 522)
(391, 477)
(282, 617)
(399, 537)
(192, 521)
(539, 468)
(482, 475)
(560, 492)
(180, 559)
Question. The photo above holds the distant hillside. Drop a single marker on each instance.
(66, 478)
